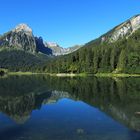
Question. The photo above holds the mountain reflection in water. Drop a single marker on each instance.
(22, 96)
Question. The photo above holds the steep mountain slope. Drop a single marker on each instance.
(21, 37)
(117, 51)
(124, 30)
(41, 47)
(20, 50)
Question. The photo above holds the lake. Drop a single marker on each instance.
(64, 108)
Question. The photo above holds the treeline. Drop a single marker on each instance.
(122, 56)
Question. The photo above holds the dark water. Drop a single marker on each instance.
(48, 108)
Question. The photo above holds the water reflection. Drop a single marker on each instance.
(96, 100)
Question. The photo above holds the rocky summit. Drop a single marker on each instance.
(20, 37)
(23, 28)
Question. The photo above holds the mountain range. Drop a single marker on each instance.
(57, 50)
(116, 51)
(21, 37)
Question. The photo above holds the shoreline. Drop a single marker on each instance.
(25, 73)
(116, 75)
(76, 75)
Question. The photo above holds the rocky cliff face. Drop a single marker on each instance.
(21, 37)
(123, 30)
(41, 47)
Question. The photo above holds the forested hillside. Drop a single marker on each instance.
(117, 51)
(18, 60)
(122, 56)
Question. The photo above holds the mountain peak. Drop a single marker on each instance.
(20, 37)
(23, 28)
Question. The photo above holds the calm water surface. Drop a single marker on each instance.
(48, 108)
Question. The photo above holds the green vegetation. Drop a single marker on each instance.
(18, 60)
(123, 56)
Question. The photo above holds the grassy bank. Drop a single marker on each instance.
(24, 73)
(74, 75)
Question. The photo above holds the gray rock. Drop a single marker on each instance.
(21, 38)
(124, 30)
(57, 50)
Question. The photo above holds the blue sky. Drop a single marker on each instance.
(67, 22)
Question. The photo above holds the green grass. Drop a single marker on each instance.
(20, 73)
(26, 73)
(80, 74)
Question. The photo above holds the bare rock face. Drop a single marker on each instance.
(21, 38)
(41, 47)
(135, 23)
(122, 31)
